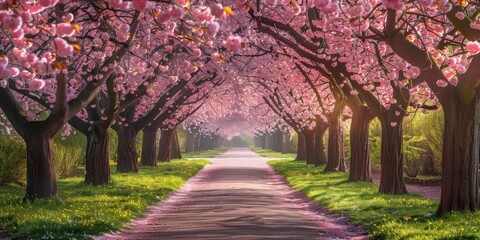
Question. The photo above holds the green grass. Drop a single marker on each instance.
(205, 154)
(268, 153)
(385, 216)
(87, 210)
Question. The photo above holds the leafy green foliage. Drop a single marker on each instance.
(69, 154)
(13, 155)
(87, 210)
(385, 216)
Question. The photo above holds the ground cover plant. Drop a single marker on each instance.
(91, 210)
(385, 216)
(205, 154)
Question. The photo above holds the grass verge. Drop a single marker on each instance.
(87, 210)
(205, 154)
(385, 216)
(268, 153)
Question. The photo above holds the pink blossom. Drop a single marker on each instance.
(296, 10)
(321, 3)
(197, 52)
(473, 47)
(177, 12)
(3, 83)
(216, 57)
(355, 11)
(163, 17)
(213, 28)
(65, 30)
(37, 84)
(67, 17)
(62, 47)
(47, 3)
(233, 43)
(26, 16)
(12, 23)
(5, 72)
(442, 83)
(454, 81)
(182, 3)
(426, 3)
(394, 4)
(460, 15)
(217, 10)
(139, 4)
(393, 124)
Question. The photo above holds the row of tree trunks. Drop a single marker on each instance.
(336, 146)
(41, 179)
(127, 156)
(286, 142)
(301, 147)
(97, 159)
(360, 168)
(461, 154)
(320, 157)
(149, 147)
(176, 152)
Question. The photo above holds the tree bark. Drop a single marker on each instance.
(310, 145)
(190, 142)
(301, 148)
(165, 145)
(391, 179)
(127, 156)
(336, 152)
(320, 156)
(97, 163)
(460, 156)
(176, 152)
(360, 169)
(286, 143)
(41, 180)
(149, 147)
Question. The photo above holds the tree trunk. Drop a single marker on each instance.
(460, 156)
(278, 140)
(391, 179)
(41, 180)
(301, 148)
(97, 163)
(336, 151)
(286, 143)
(149, 147)
(165, 146)
(176, 153)
(320, 156)
(127, 156)
(310, 145)
(269, 141)
(190, 142)
(261, 141)
(360, 169)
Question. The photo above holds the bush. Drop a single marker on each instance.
(13, 155)
(69, 155)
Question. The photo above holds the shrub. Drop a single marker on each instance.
(13, 155)
(69, 155)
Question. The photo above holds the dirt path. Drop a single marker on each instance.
(238, 197)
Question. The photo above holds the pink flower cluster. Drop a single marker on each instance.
(233, 43)
(394, 4)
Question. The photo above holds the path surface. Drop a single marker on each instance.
(239, 196)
